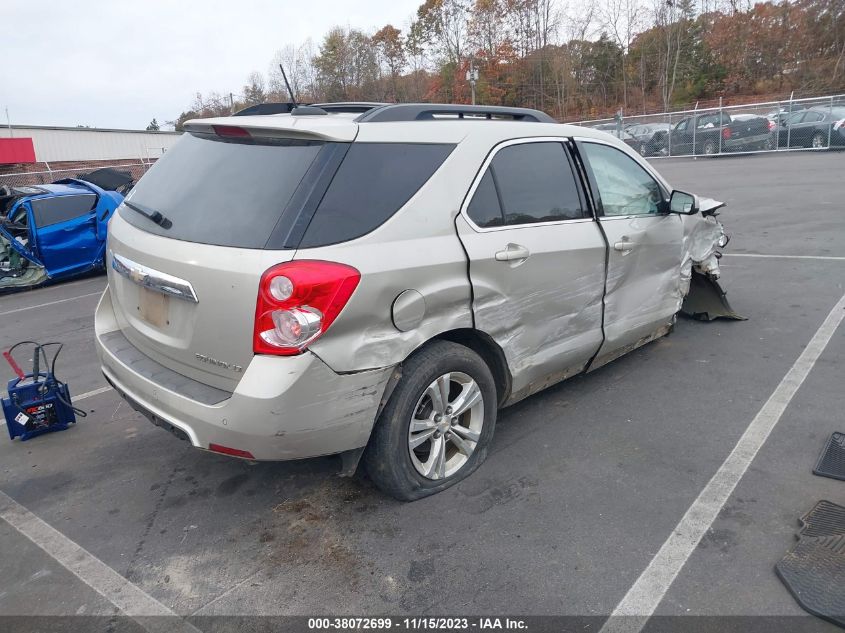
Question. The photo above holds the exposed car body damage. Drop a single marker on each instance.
(702, 296)
(56, 231)
(16, 270)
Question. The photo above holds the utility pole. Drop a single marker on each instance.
(231, 103)
(472, 77)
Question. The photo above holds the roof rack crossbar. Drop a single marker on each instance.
(432, 111)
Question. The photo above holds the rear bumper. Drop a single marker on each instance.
(283, 407)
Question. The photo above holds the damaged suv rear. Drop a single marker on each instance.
(379, 284)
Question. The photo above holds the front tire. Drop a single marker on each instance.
(819, 141)
(436, 428)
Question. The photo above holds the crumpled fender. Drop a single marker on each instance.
(701, 296)
(33, 275)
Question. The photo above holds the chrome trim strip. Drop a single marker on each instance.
(153, 279)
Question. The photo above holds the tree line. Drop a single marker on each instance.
(574, 62)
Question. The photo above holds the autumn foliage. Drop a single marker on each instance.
(583, 63)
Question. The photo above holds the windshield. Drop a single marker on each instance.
(218, 192)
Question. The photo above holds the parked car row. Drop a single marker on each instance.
(710, 133)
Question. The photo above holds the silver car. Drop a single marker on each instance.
(378, 284)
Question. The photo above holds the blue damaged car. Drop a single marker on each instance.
(52, 232)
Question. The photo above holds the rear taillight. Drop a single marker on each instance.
(297, 302)
(772, 125)
(230, 131)
(726, 133)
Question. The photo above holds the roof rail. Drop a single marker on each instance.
(354, 107)
(431, 111)
(349, 106)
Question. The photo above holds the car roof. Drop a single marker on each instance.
(343, 127)
(62, 189)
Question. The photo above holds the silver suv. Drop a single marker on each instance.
(378, 284)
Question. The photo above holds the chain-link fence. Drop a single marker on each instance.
(43, 173)
(797, 124)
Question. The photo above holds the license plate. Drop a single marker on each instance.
(154, 307)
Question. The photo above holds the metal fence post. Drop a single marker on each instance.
(720, 125)
(789, 122)
(669, 135)
(829, 121)
(694, 127)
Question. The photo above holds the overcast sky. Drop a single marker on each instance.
(120, 63)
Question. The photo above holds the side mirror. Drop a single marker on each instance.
(683, 203)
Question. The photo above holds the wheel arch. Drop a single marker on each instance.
(476, 340)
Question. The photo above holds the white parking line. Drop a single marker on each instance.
(129, 598)
(631, 614)
(50, 303)
(822, 257)
(88, 394)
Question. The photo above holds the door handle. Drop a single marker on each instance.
(624, 246)
(513, 252)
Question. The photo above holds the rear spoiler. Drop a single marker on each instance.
(322, 128)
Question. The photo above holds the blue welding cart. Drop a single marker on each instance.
(38, 402)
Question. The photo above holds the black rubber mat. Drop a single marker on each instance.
(814, 573)
(832, 460)
(825, 519)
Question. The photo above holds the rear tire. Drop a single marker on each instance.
(409, 463)
(819, 141)
(709, 148)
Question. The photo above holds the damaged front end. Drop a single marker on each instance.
(18, 268)
(702, 296)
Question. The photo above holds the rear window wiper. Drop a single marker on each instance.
(151, 214)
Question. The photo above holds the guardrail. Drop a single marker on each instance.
(811, 124)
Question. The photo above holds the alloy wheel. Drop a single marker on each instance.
(446, 425)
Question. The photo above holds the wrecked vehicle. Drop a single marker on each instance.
(56, 231)
(390, 280)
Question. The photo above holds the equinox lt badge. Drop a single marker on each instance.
(219, 363)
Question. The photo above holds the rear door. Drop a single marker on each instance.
(65, 232)
(645, 247)
(536, 262)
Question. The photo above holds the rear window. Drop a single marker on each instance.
(219, 192)
(374, 181)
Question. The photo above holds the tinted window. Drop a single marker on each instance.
(624, 187)
(49, 211)
(812, 117)
(374, 181)
(223, 193)
(536, 183)
(484, 208)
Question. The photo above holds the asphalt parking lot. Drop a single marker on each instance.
(585, 483)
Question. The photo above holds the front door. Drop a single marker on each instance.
(536, 262)
(65, 232)
(645, 249)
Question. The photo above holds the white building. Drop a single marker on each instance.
(66, 144)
